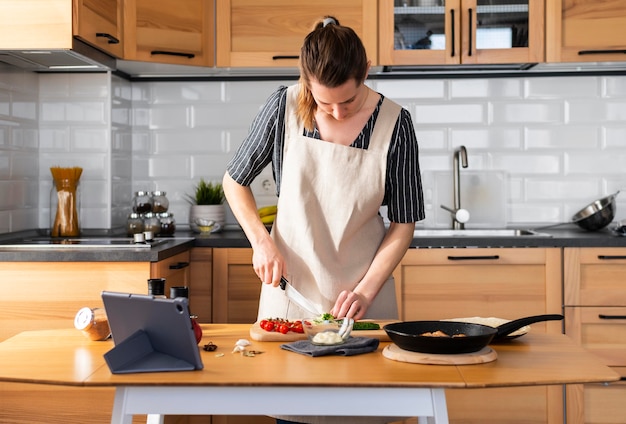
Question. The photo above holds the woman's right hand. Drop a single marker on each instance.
(268, 263)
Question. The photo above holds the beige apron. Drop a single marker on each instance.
(328, 227)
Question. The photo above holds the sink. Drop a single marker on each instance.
(487, 233)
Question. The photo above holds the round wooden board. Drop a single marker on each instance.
(484, 355)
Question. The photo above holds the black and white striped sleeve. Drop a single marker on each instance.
(403, 193)
(264, 142)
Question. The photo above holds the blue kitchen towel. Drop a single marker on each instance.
(352, 346)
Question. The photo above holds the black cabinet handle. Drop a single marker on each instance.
(452, 34)
(471, 34)
(473, 258)
(609, 257)
(285, 57)
(187, 55)
(589, 52)
(602, 316)
(112, 40)
(179, 265)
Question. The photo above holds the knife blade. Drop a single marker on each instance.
(296, 297)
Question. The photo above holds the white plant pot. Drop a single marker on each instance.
(215, 213)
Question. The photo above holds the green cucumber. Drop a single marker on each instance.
(363, 325)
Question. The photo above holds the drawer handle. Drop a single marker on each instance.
(285, 57)
(452, 34)
(586, 52)
(602, 316)
(112, 40)
(187, 55)
(179, 265)
(473, 258)
(609, 257)
(470, 38)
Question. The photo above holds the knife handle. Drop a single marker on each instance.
(283, 282)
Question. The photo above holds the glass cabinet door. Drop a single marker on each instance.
(440, 32)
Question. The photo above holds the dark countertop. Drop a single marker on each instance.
(563, 236)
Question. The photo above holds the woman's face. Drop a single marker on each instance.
(340, 102)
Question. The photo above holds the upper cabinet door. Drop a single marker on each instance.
(269, 33)
(453, 32)
(585, 31)
(170, 31)
(99, 23)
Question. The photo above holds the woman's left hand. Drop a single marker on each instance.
(350, 304)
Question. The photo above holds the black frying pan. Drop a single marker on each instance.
(408, 335)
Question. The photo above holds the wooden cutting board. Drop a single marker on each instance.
(484, 355)
(260, 335)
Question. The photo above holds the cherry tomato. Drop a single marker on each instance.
(283, 328)
(269, 326)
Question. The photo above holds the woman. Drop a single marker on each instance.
(339, 151)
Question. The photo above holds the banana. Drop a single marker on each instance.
(267, 210)
(268, 219)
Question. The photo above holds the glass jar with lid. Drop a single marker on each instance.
(151, 223)
(168, 225)
(160, 203)
(134, 224)
(142, 202)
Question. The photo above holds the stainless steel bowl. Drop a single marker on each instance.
(597, 214)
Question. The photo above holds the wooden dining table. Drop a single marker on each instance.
(232, 383)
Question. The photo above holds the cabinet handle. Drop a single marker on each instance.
(112, 40)
(609, 257)
(470, 38)
(187, 55)
(285, 57)
(179, 265)
(587, 52)
(452, 33)
(602, 316)
(473, 258)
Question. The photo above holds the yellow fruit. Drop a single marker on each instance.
(267, 210)
(268, 219)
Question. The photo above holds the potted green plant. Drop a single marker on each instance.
(207, 204)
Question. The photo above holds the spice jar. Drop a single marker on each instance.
(142, 202)
(93, 323)
(168, 225)
(134, 224)
(159, 202)
(151, 223)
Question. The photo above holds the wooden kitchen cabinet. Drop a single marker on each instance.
(100, 23)
(595, 317)
(507, 283)
(201, 284)
(169, 31)
(269, 33)
(454, 32)
(585, 31)
(175, 270)
(236, 287)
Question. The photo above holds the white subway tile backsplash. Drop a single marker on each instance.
(561, 140)
(484, 88)
(526, 112)
(412, 89)
(555, 87)
(450, 114)
(563, 137)
(488, 138)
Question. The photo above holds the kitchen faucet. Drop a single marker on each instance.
(459, 216)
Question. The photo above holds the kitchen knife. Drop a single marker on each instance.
(296, 297)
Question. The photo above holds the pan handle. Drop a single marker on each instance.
(511, 326)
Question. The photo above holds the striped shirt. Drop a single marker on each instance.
(264, 144)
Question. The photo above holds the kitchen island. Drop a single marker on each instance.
(367, 384)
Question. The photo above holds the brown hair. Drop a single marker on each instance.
(332, 54)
